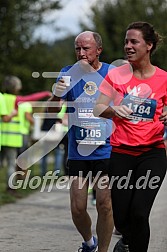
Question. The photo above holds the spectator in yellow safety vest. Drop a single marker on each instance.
(11, 132)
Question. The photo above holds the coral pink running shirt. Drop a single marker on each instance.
(146, 98)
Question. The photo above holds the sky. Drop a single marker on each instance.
(67, 20)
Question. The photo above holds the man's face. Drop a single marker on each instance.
(86, 48)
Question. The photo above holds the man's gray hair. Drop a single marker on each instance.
(97, 38)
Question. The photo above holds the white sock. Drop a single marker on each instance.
(90, 242)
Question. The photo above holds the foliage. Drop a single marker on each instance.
(7, 196)
(42, 57)
(110, 18)
(21, 55)
(18, 19)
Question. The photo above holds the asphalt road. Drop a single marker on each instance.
(42, 222)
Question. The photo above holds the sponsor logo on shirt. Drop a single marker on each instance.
(90, 88)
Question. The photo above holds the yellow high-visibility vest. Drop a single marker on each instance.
(25, 124)
(61, 115)
(11, 135)
(3, 111)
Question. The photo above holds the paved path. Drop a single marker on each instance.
(42, 222)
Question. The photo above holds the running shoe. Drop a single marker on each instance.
(86, 248)
(121, 247)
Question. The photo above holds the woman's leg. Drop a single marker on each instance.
(121, 178)
(149, 175)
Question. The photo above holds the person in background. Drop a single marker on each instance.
(60, 152)
(4, 113)
(11, 132)
(64, 142)
(94, 197)
(89, 148)
(139, 96)
(92, 192)
(27, 121)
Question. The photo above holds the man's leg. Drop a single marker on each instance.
(105, 222)
(79, 212)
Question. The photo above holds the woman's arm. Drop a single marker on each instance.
(103, 108)
(163, 116)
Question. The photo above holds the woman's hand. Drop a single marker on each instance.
(122, 111)
(163, 118)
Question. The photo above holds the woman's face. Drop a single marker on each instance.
(135, 47)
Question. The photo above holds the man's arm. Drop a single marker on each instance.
(54, 104)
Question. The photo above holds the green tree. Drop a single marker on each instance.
(110, 18)
(18, 19)
(44, 57)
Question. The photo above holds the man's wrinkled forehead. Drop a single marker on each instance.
(85, 37)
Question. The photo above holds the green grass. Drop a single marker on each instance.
(8, 197)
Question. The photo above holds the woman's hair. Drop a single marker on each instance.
(149, 34)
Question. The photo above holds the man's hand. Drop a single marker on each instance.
(59, 88)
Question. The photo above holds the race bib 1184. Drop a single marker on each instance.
(143, 109)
